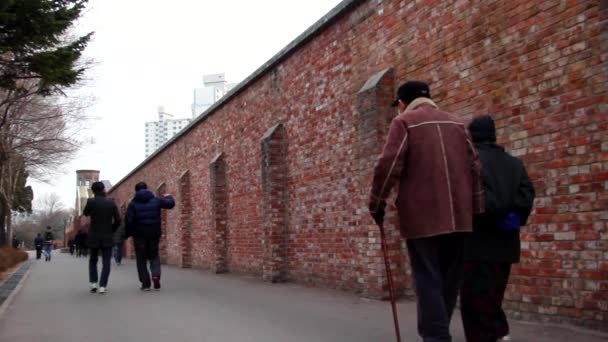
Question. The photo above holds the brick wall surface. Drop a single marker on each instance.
(538, 67)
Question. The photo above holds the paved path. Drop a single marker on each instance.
(193, 305)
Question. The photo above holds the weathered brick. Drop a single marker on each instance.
(538, 73)
(565, 236)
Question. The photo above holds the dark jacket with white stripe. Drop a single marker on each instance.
(430, 154)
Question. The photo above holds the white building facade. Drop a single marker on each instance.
(214, 87)
(159, 132)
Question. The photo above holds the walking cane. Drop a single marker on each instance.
(389, 275)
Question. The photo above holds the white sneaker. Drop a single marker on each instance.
(93, 287)
(505, 338)
(102, 290)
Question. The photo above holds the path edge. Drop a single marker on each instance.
(9, 300)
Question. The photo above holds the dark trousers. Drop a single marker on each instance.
(118, 252)
(38, 252)
(147, 250)
(481, 298)
(106, 257)
(437, 264)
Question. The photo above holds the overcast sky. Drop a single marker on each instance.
(149, 53)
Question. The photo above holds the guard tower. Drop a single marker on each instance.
(84, 179)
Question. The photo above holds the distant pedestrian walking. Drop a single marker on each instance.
(49, 241)
(143, 222)
(71, 246)
(494, 244)
(105, 219)
(85, 244)
(119, 239)
(80, 241)
(429, 153)
(16, 242)
(38, 244)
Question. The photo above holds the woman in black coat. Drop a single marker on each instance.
(494, 244)
(105, 219)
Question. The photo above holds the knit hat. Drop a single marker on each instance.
(482, 129)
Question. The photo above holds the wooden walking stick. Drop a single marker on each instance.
(389, 275)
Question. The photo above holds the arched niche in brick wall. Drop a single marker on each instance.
(185, 215)
(374, 115)
(274, 204)
(161, 189)
(219, 213)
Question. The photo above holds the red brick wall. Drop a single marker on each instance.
(538, 67)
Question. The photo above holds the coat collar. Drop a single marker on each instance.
(420, 101)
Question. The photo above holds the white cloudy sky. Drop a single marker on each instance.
(150, 53)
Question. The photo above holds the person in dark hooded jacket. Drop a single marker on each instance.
(119, 239)
(143, 223)
(81, 243)
(38, 243)
(494, 244)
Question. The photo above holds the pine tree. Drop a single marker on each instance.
(38, 58)
(33, 45)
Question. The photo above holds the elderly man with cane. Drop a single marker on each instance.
(429, 153)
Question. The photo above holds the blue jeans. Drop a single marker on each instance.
(47, 251)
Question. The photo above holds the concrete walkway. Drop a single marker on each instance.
(193, 305)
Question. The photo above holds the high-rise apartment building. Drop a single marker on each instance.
(214, 87)
(159, 132)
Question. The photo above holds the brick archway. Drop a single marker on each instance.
(219, 204)
(185, 220)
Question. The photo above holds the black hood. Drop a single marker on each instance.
(143, 196)
(482, 129)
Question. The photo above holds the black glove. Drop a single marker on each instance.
(378, 216)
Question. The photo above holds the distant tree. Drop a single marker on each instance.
(48, 212)
(38, 59)
(26, 230)
(22, 200)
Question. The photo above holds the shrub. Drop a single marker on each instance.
(10, 257)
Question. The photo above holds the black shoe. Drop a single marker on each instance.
(156, 280)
